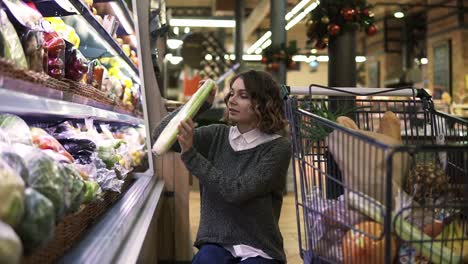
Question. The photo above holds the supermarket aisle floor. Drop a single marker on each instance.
(288, 224)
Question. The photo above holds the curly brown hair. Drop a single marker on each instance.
(266, 100)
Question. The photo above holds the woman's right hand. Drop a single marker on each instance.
(211, 97)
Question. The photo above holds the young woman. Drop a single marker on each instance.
(242, 172)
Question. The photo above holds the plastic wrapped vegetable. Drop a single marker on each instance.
(107, 153)
(15, 162)
(75, 189)
(169, 135)
(80, 149)
(11, 195)
(27, 23)
(76, 64)
(55, 53)
(11, 249)
(92, 191)
(45, 141)
(44, 176)
(38, 224)
(16, 129)
(10, 43)
(67, 32)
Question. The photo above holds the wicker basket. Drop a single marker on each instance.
(70, 229)
(9, 69)
(89, 92)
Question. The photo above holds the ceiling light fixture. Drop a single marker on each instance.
(296, 9)
(250, 57)
(259, 42)
(291, 23)
(301, 15)
(399, 14)
(174, 43)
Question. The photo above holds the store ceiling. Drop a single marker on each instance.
(257, 14)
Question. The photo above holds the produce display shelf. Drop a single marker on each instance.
(26, 104)
(119, 235)
(125, 10)
(87, 15)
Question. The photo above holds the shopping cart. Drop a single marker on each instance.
(387, 197)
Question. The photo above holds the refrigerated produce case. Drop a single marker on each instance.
(117, 226)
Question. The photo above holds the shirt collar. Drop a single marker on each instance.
(249, 136)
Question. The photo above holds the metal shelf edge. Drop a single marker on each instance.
(14, 102)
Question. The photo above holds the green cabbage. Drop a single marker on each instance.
(44, 177)
(38, 224)
(16, 129)
(10, 245)
(75, 188)
(11, 195)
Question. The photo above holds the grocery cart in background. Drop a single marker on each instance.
(380, 176)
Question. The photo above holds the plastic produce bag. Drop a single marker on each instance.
(38, 224)
(11, 249)
(329, 220)
(44, 176)
(98, 172)
(14, 161)
(10, 43)
(11, 195)
(16, 129)
(75, 187)
(27, 22)
(52, 147)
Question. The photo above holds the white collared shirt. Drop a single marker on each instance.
(240, 142)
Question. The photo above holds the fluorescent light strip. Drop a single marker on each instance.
(360, 58)
(250, 57)
(266, 44)
(301, 16)
(259, 42)
(296, 9)
(122, 18)
(212, 23)
(174, 43)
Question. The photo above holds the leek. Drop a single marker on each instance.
(169, 135)
(434, 251)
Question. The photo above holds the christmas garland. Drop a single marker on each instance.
(330, 17)
(272, 56)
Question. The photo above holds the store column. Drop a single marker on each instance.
(278, 34)
(342, 64)
(239, 39)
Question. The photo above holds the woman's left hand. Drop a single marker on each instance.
(185, 135)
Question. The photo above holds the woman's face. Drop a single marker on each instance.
(240, 107)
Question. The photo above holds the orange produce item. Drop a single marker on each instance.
(363, 249)
(433, 229)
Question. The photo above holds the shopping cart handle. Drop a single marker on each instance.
(352, 91)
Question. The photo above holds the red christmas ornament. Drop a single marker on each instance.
(365, 12)
(333, 29)
(371, 30)
(264, 60)
(320, 45)
(348, 13)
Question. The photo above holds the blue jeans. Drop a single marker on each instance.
(215, 254)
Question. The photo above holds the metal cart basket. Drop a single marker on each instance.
(387, 182)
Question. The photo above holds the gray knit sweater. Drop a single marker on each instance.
(241, 192)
